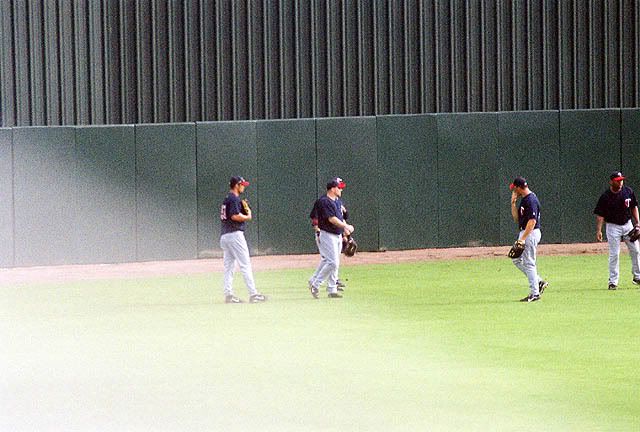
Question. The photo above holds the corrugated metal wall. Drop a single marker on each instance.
(149, 61)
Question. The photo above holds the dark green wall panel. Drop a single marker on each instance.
(589, 152)
(287, 185)
(123, 193)
(166, 191)
(225, 149)
(529, 147)
(469, 181)
(347, 148)
(407, 149)
(630, 136)
(46, 204)
(6, 198)
(106, 161)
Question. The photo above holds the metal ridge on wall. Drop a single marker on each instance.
(81, 62)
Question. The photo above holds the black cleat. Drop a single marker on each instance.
(257, 298)
(542, 285)
(335, 295)
(636, 281)
(314, 291)
(232, 299)
(530, 298)
(341, 285)
(613, 287)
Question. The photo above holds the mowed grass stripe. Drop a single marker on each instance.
(421, 346)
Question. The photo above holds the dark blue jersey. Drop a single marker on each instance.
(529, 209)
(316, 206)
(615, 207)
(325, 208)
(230, 206)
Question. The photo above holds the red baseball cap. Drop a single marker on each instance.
(238, 180)
(336, 182)
(518, 182)
(616, 176)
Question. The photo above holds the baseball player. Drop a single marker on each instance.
(332, 225)
(316, 229)
(527, 216)
(617, 207)
(234, 215)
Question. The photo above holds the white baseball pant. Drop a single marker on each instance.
(329, 246)
(616, 234)
(234, 247)
(526, 262)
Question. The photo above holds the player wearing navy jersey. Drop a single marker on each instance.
(527, 216)
(618, 208)
(316, 229)
(233, 217)
(331, 225)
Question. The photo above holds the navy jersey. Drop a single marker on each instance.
(231, 206)
(345, 213)
(324, 209)
(316, 206)
(529, 209)
(616, 207)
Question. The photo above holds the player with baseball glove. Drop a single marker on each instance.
(618, 208)
(234, 215)
(316, 231)
(523, 252)
(332, 226)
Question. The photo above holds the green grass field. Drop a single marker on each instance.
(411, 347)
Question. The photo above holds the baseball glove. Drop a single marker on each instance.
(634, 234)
(349, 246)
(245, 207)
(516, 250)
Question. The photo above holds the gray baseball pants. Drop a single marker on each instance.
(526, 262)
(234, 247)
(616, 234)
(329, 246)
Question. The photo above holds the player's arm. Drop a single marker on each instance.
(636, 219)
(514, 208)
(348, 229)
(239, 217)
(315, 225)
(599, 223)
(531, 225)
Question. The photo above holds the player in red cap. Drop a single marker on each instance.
(618, 208)
(332, 225)
(233, 218)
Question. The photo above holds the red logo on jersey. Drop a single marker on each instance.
(627, 202)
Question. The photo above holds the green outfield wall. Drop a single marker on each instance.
(105, 194)
(222, 150)
(528, 145)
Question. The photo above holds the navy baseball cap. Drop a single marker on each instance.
(336, 182)
(238, 180)
(518, 182)
(616, 176)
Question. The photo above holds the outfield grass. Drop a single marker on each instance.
(411, 347)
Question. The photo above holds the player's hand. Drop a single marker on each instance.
(514, 197)
(599, 236)
(348, 229)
